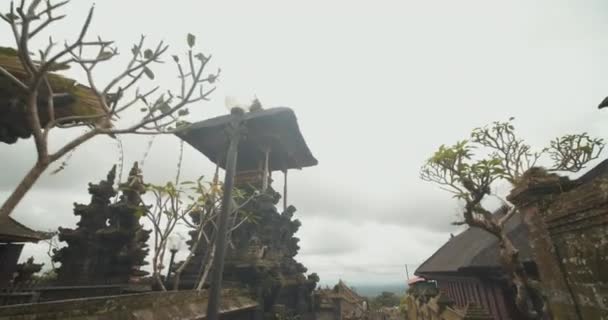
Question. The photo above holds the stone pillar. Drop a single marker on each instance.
(337, 308)
(532, 198)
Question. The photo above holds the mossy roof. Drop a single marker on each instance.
(71, 99)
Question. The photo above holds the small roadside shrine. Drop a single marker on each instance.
(249, 146)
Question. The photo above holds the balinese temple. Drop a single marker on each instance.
(13, 236)
(467, 270)
(261, 255)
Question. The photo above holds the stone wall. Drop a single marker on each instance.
(387, 313)
(578, 224)
(568, 224)
(37, 294)
(326, 314)
(177, 305)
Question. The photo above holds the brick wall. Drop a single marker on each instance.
(568, 224)
(577, 222)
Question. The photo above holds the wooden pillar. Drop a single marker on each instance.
(482, 296)
(500, 301)
(463, 294)
(265, 175)
(213, 304)
(451, 290)
(285, 190)
(487, 288)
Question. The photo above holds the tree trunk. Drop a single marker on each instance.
(509, 257)
(156, 270)
(24, 186)
(206, 268)
(159, 280)
(178, 272)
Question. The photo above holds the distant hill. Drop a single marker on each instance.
(372, 290)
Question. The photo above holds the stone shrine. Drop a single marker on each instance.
(109, 244)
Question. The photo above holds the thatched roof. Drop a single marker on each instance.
(13, 231)
(476, 249)
(275, 127)
(71, 99)
(593, 173)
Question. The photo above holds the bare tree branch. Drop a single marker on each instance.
(162, 117)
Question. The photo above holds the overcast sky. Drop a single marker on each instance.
(376, 85)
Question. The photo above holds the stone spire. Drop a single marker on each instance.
(109, 243)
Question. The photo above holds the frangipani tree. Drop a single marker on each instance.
(196, 205)
(470, 169)
(43, 100)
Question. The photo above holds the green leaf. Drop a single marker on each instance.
(164, 108)
(135, 50)
(191, 40)
(148, 54)
(182, 124)
(104, 55)
(139, 212)
(149, 73)
(12, 16)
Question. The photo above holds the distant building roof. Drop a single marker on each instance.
(475, 248)
(340, 291)
(276, 127)
(347, 293)
(13, 231)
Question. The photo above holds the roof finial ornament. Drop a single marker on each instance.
(256, 105)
